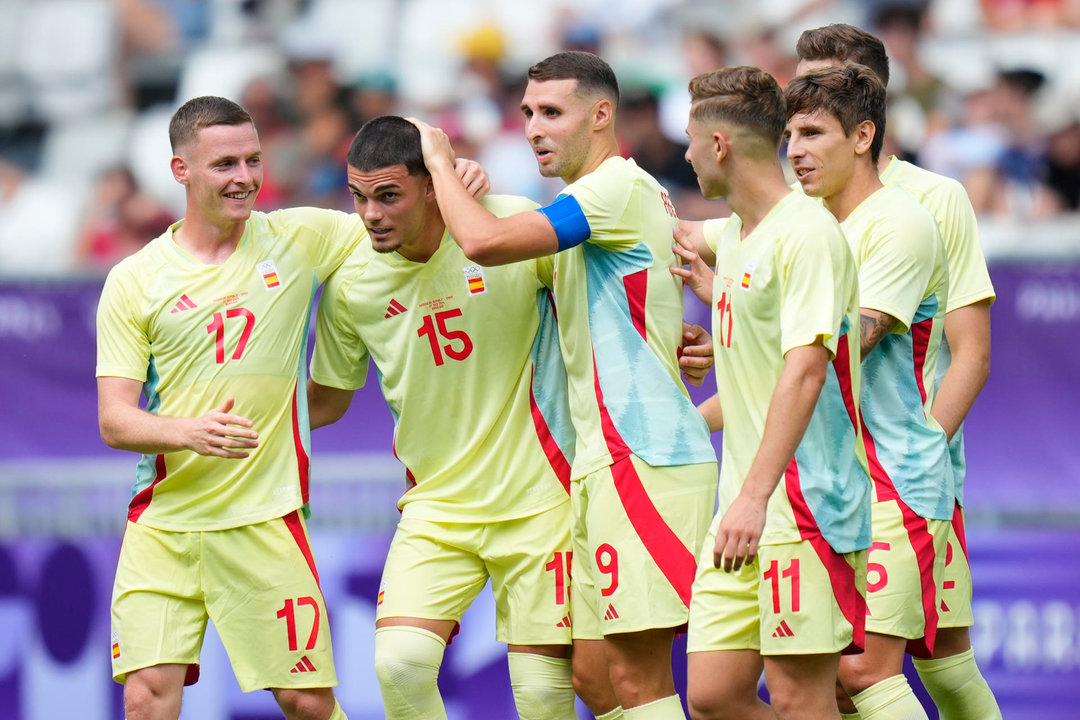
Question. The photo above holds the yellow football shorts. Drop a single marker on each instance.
(637, 530)
(905, 569)
(256, 583)
(434, 570)
(795, 599)
(954, 608)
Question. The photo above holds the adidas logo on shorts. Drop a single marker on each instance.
(611, 613)
(782, 630)
(303, 666)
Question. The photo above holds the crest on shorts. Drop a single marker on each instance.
(474, 278)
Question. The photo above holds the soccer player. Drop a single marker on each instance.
(781, 577)
(951, 676)
(209, 322)
(644, 471)
(469, 364)
(836, 122)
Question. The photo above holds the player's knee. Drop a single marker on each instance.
(542, 686)
(707, 704)
(407, 657)
(305, 704)
(854, 677)
(148, 694)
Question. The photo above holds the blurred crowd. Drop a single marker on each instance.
(986, 91)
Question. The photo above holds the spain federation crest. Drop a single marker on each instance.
(474, 278)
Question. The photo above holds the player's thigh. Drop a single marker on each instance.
(723, 679)
(158, 613)
(263, 596)
(905, 565)
(644, 527)
(724, 613)
(433, 570)
(529, 561)
(954, 606)
(584, 595)
(811, 599)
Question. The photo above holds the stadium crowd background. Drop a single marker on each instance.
(987, 91)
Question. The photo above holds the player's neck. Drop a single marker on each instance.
(601, 150)
(755, 192)
(863, 183)
(426, 244)
(207, 241)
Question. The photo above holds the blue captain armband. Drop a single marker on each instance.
(568, 219)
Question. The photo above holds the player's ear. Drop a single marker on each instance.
(864, 136)
(721, 145)
(603, 114)
(179, 169)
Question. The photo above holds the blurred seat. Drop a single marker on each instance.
(84, 147)
(226, 70)
(148, 156)
(66, 50)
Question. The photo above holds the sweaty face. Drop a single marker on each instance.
(392, 203)
(223, 171)
(701, 154)
(821, 154)
(557, 125)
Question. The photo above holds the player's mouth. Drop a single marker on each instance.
(379, 233)
(802, 174)
(542, 153)
(239, 195)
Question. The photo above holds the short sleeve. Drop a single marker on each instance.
(123, 340)
(328, 235)
(340, 359)
(969, 280)
(896, 264)
(812, 287)
(713, 229)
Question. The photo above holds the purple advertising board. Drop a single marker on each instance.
(1023, 503)
(54, 655)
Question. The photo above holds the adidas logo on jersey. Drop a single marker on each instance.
(303, 666)
(782, 630)
(184, 303)
(564, 623)
(394, 308)
(611, 614)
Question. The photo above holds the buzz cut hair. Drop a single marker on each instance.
(845, 43)
(386, 141)
(203, 112)
(742, 95)
(594, 76)
(852, 93)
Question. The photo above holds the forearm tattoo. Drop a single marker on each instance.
(872, 328)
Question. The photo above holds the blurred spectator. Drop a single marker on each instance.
(120, 219)
(1061, 122)
(1022, 15)
(968, 148)
(1022, 164)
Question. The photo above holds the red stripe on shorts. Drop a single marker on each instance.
(922, 542)
(551, 448)
(958, 529)
(852, 603)
(302, 462)
(664, 546)
(141, 501)
(296, 528)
